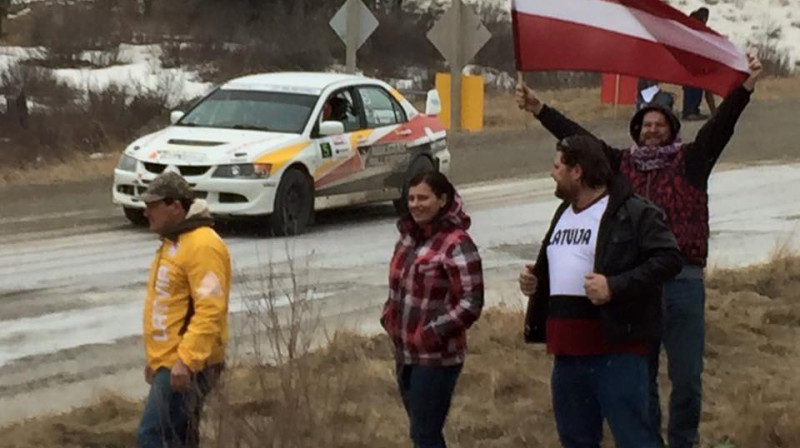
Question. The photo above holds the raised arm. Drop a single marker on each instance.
(557, 124)
(702, 154)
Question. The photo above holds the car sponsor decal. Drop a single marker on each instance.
(179, 156)
(351, 160)
(387, 155)
(271, 87)
(386, 146)
(340, 144)
(415, 131)
(325, 150)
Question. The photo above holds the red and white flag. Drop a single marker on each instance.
(643, 38)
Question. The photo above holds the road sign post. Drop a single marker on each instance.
(456, 66)
(458, 35)
(353, 23)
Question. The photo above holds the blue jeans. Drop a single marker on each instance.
(587, 389)
(426, 393)
(170, 419)
(683, 339)
(692, 97)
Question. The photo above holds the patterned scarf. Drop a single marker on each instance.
(648, 158)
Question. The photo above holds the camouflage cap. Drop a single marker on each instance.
(168, 185)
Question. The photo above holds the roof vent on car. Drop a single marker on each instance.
(176, 141)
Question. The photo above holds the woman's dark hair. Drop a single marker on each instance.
(438, 183)
(587, 152)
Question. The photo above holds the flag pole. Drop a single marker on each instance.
(515, 33)
(616, 96)
(520, 81)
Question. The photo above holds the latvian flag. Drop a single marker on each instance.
(643, 38)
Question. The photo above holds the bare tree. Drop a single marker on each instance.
(146, 7)
(5, 5)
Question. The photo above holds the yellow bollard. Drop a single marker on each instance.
(471, 101)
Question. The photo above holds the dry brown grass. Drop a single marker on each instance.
(579, 104)
(109, 423)
(752, 387)
(80, 167)
(352, 401)
(502, 398)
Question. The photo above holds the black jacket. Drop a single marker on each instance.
(636, 252)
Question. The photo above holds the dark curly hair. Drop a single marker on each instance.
(587, 152)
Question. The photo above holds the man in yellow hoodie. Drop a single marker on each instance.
(185, 314)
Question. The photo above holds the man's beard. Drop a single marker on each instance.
(563, 193)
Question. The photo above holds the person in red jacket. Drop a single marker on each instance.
(435, 294)
(674, 175)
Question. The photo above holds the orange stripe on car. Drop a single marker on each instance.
(282, 156)
(324, 168)
(397, 95)
(359, 137)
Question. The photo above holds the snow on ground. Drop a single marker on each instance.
(748, 22)
(140, 71)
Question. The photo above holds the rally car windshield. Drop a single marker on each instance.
(252, 110)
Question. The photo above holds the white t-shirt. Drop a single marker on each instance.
(570, 252)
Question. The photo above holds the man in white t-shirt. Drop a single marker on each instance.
(595, 298)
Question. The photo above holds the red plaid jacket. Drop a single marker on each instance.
(435, 290)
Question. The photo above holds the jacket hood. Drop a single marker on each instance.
(198, 216)
(638, 117)
(454, 217)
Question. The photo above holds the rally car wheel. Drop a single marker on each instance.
(420, 164)
(294, 204)
(135, 216)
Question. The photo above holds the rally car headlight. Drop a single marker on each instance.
(243, 171)
(126, 163)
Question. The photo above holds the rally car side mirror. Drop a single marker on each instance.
(327, 128)
(433, 106)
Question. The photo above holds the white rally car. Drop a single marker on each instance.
(285, 144)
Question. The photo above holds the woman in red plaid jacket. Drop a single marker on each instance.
(435, 294)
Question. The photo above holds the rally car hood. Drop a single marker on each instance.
(207, 146)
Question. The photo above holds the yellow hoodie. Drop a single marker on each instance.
(186, 307)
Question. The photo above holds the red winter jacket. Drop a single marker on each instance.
(681, 188)
(435, 290)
